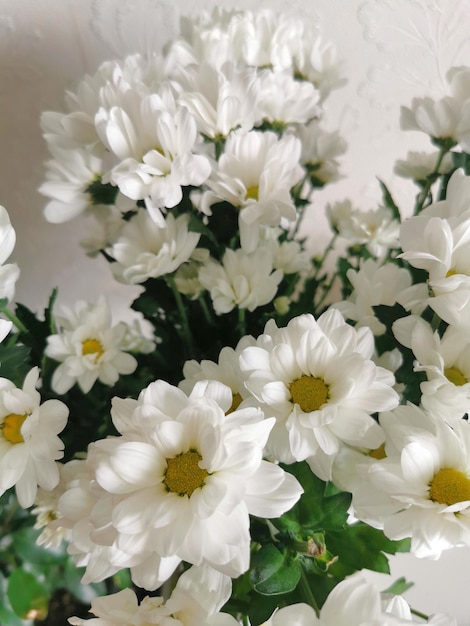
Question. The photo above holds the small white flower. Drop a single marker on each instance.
(195, 601)
(446, 362)
(242, 280)
(437, 118)
(182, 479)
(29, 445)
(419, 165)
(256, 173)
(10, 272)
(320, 150)
(319, 64)
(88, 348)
(376, 284)
(317, 378)
(145, 249)
(283, 99)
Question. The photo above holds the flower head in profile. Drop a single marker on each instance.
(319, 381)
(196, 600)
(88, 347)
(181, 481)
(29, 442)
(10, 272)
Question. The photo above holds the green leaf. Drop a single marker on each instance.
(316, 510)
(101, 193)
(399, 587)
(28, 597)
(389, 201)
(360, 546)
(273, 572)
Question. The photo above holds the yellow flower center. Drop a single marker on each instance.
(92, 346)
(183, 474)
(378, 453)
(236, 401)
(252, 193)
(455, 376)
(11, 427)
(309, 393)
(451, 272)
(449, 486)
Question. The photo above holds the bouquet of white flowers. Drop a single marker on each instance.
(268, 424)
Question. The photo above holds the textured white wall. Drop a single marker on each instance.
(392, 50)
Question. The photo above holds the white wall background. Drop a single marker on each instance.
(392, 51)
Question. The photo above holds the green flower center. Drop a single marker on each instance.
(449, 486)
(252, 193)
(92, 346)
(309, 393)
(11, 427)
(183, 474)
(455, 376)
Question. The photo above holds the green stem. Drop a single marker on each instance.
(245, 620)
(205, 311)
(326, 252)
(242, 322)
(419, 614)
(12, 317)
(307, 592)
(186, 330)
(429, 182)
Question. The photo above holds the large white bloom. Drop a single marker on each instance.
(145, 249)
(353, 602)
(242, 280)
(88, 347)
(255, 174)
(10, 272)
(421, 489)
(286, 100)
(29, 445)
(317, 378)
(182, 479)
(195, 601)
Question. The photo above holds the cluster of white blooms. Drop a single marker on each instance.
(233, 109)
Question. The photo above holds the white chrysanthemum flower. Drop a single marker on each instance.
(242, 280)
(376, 284)
(88, 348)
(319, 381)
(419, 165)
(226, 370)
(29, 445)
(199, 594)
(320, 150)
(353, 602)
(437, 241)
(49, 517)
(153, 140)
(421, 489)
(446, 362)
(283, 99)
(221, 100)
(187, 275)
(182, 480)
(107, 226)
(69, 177)
(288, 256)
(377, 229)
(145, 249)
(319, 64)
(255, 174)
(437, 118)
(459, 81)
(10, 272)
